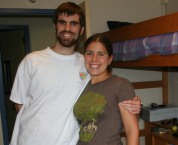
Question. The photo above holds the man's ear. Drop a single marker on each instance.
(82, 31)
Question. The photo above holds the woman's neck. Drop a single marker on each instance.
(97, 79)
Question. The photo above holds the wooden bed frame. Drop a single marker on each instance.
(160, 25)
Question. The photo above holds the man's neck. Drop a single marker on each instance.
(63, 50)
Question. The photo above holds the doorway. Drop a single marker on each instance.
(14, 45)
(23, 31)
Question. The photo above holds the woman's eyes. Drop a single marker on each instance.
(99, 54)
(88, 53)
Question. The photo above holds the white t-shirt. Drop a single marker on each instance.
(48, 85)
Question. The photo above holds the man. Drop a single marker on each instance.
(48, 83)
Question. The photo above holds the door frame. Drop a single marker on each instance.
(26, 12)
(24, 28)
(16, 12)
(2, 108)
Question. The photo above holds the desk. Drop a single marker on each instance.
(157, 138)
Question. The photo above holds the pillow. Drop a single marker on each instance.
(116, 24)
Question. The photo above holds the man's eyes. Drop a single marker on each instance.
(71, 23)
(61, 22)
(74, 23)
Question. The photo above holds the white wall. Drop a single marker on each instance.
(122, 10)
(40, 4)
(101, 11)
(41, 30)
(147, 95)
(171, 6)
(173, 85)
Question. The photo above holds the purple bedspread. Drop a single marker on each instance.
(164, 44)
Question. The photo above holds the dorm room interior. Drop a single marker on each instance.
(149, 47)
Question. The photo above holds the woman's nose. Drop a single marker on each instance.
(95, 57)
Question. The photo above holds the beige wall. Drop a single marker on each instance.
(173, 85)
(121, 10)
(43, 4)
(41, 30)
(171, 6)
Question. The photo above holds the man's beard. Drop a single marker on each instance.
(67, 42)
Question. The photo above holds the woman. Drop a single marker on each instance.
(98, 109)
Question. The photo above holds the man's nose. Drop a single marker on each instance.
(67, 27)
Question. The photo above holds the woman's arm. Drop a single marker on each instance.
(131, 127)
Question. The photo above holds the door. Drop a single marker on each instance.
(14, 45)
(3, 111)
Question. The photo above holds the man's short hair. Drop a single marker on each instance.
(69, 8)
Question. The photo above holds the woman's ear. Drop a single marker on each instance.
(110, 59)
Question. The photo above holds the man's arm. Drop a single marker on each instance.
(18, 107)
(133, 106)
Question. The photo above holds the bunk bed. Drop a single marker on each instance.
(151, 44)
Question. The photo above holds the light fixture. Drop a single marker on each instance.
(32, 1)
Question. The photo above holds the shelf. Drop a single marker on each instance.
(166, 137)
